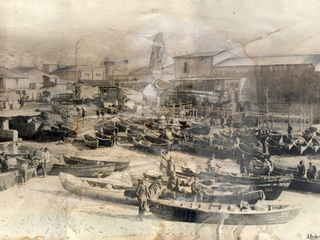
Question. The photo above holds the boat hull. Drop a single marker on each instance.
(82, 188)
(83, 171)
(305, 185)
(119, 165)
(216, 214)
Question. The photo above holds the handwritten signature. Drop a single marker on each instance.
(313, 236)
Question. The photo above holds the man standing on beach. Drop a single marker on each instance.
(312, 172)
(83, 114)
(44, 160)
(301, 169)
(142, 193)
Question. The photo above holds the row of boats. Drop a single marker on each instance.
(195, 137)
(224, 207)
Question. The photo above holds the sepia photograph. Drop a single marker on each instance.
(159, 120)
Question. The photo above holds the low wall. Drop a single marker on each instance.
(8, 135)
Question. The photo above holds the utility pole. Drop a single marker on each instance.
(77, 79)
(267, 100)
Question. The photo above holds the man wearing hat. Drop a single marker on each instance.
(5, 163)
(44, 160)
(301, 169)
(171, 168)
(142, 193)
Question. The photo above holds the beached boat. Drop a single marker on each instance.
(107, 129)
(104, 140)
(299, 145)
(83, 188)
(122, 125)
(286, 142)
(152, 133)
(120, 165)
(233, 195)
(132, 133)
(305, 185)
(224, 213)
(141, 143)
(84, 171)
(91, 141)
(272, 186)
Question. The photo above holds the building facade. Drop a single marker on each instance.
(281, 79)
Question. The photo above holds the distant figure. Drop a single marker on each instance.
(142, 193)
(78, 110)
(222, 122)
(301, 169)
(114, 137)
(102, 113)
(243, 164)
(98, 113)
(212, 122)
(44, 160)
(35, 161)
(268, 167)
(312, 172)
(211, 164)
(171, 168)
(83, 114)
(4, 162)
(24, 172)
(289, 131)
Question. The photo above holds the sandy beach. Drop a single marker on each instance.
(43, 209)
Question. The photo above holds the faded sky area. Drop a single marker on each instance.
(36, 31)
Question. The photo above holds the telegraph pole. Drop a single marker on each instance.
(77, 61)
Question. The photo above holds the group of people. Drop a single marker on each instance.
(251, 167)
(100, 111)
(37, 159)
(310, 173)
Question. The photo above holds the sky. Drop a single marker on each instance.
(34, 32)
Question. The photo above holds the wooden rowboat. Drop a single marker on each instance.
(271, 186)
(120, 165)
(83, 188)
(305, 185)
(84, 171)
(104, 140)
(141, 143)
(224, 213)
(91, 141)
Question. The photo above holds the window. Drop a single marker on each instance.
(185, 67)
(32, 86)
(98, 74)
